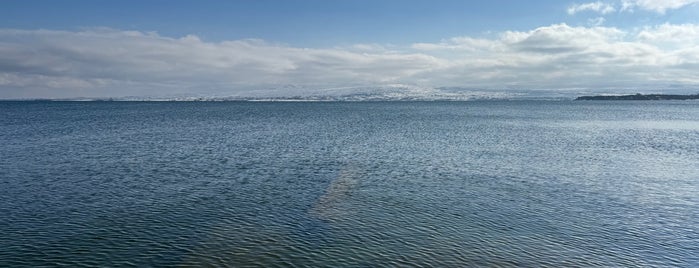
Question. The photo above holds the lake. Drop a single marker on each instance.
(349, 184)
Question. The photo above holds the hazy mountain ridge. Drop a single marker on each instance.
(355, 93)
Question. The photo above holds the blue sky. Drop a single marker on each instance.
(306, 23)
(315, 22)
(105, 48)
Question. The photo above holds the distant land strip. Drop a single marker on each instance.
(641, 97)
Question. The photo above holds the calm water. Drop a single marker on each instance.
(446, 184)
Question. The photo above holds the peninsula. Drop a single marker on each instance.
(640, 97)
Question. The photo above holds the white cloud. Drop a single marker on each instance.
(596, 21)
(103, 62)
(598, 7)
(677, 34)
(660, 6)
(457, 43)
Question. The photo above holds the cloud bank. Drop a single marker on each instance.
(108, 62)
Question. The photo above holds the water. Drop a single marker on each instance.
(447, 184)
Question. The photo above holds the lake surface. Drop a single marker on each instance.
(345, 184)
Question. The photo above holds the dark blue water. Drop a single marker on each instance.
(447, 184)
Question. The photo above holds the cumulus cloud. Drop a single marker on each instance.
(660, 6)
(107, 62)
(679, 34)
(561, 56)
(598, 7)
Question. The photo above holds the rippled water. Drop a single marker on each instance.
(446, 184)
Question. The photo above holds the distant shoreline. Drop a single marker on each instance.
(641, 97)
(353, 98)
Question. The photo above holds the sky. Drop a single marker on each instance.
(97, 48)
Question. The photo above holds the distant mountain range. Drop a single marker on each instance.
(395, 92)
(366, 93)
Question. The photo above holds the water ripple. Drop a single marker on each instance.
(505, 184)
